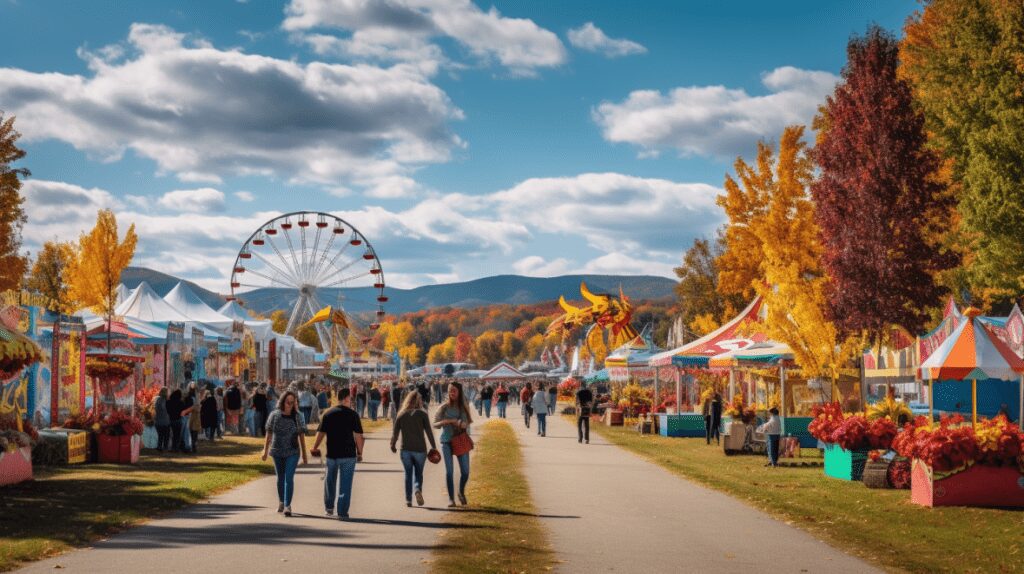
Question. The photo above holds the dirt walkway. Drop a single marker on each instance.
(610, 511)
(240, 530)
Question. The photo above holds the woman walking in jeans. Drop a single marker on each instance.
(453, 417)
(540, 408)
(413, 424)
(285, 442)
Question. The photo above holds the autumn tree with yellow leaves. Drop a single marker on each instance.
(773, 245)
(95, 273)
(48, 275)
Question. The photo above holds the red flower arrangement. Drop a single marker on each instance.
(947, 447)
(856, 433)
(827, 418)
(899, 474)
(119, 423)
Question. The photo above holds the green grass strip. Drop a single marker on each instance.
(499, 531)
(881, 526)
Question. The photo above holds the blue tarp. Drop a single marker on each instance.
(955, 396)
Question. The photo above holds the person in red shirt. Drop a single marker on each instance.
(524, 397)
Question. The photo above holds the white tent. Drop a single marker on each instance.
(145, 304)
(189, 304)
(261, 328)
(123, 293)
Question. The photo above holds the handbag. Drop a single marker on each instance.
(433, 456)
(461, 444)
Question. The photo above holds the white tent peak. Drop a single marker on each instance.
(145, 304)
(235, 311)
(185, 300)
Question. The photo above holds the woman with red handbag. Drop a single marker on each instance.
(413, 424)
(453, 418)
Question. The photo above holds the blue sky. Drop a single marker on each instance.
(465, 139)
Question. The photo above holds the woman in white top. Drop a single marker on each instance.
(539, 402)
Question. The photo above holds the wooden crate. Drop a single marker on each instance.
(876, 474)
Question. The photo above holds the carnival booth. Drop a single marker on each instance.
(684, 364)
(988, 473)
(18, 354)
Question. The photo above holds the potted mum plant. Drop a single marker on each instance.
(119, 438)
(957, 465)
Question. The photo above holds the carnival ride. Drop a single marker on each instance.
(606, 316)
(297, 257)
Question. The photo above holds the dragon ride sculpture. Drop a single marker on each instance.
(605, 313)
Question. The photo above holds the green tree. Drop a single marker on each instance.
(49, 275)
(697, 293)
(12, 263)
(965, 61)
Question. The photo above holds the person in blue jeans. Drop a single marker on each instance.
(285, 443)
(453, 417)
(343, 430)
(539, 402)
(413, 424)
(772, 430)
(501, 396)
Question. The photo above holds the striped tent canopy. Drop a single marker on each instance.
(729, 337)
(757, 354)
(971, 352)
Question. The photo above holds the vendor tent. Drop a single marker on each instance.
(728, 337)
(765, 353)
(189, 304)
(502, 371)
(261, 328)
(146, 305)
(972, 353)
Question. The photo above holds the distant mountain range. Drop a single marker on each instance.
(500, 289)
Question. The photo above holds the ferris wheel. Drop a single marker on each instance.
(294, 259)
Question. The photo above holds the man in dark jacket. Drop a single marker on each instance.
(396, 400)
(232, 407)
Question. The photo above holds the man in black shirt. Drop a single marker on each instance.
(584, 402)
(344, 433)
(396, 400)
(232, 407)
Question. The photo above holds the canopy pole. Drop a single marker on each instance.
(679, 390)
(657, 396)
(1020, 410)
(732, 383)
(974, 403)
(931, 401)
(782, 398)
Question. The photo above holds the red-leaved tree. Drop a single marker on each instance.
(877, 197)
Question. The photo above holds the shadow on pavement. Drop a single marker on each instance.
(489, 510)
(385, 522)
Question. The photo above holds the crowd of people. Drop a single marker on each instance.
(282, 415)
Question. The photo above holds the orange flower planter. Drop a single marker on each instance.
(978, 485)
(123, 449)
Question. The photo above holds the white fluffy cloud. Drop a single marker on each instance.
(203, 114)
(202, 200)
(613, 212)
(402, 29)
(715, 120)
(603, 223)
(245, 196)
(537, 266)
(592, 39)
